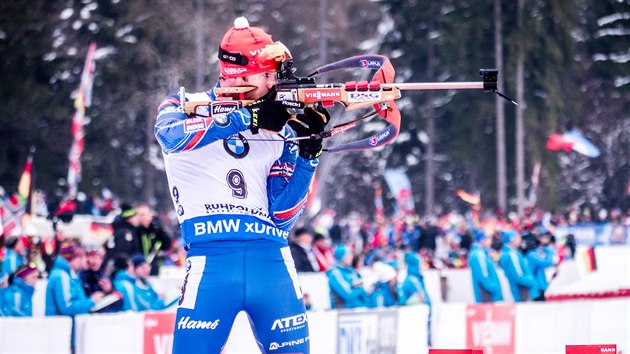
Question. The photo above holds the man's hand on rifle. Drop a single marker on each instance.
(268, 114)
(310, 124)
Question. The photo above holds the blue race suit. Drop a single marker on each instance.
(237, 195)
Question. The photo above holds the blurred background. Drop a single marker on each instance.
(546, 182)
(566, 63)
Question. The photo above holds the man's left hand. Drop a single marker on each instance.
(310, 124)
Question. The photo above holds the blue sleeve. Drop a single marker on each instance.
(176, 132)
(507, 263)
(11, 300)
(485, 280)
(62, 293)
(544, 260)
(128, 293)
(288, 183)
(343, 288)
(405, 291)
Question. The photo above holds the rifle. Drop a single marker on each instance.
(296, 93)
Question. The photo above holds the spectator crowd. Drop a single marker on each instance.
(377, 263)
(90, 276)
(380, 263)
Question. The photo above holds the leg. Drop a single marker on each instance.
(211, 298)
(274, 301)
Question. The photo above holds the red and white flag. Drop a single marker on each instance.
(82, 99)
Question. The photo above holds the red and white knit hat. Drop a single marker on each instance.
(240, 48)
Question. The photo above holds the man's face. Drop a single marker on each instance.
(31, 279)
(76, 263)
(263, 82)
(134, 220)
(94, 261)
(305, 239)
(144, 216)
(143, 270)
(486, 242)
(516, 241)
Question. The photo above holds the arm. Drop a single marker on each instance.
(176, 132)
(128, 293)
(62, 294)
(482, 274)
(288, 183)
(12, 303)
(544, 260)
(514, 271)
(342, 288)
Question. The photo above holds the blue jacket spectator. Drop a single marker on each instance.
(124, 282)
(539, 260)
(13, 258)
(64, 292)
(4, 282)
(385, 293)
(516, 268)
(346, 285)
(485, 281)
(145, 297)
(413, 290)
(18, 297)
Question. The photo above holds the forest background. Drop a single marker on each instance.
(566, 62)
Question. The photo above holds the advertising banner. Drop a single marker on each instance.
(491, 327)
(373, 331)
(591, 349)
(158, 332)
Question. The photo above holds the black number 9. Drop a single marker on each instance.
(237, 183)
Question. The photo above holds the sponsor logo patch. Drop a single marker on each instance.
(187, 323)
(288, 324)
(317, 95)
(378, 138)
(364, 96)
(236, 145)
(276, 345)
(192, 125)
(366, 63)
(234, 71)
(219, 111)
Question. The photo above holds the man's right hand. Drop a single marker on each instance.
(267, 113)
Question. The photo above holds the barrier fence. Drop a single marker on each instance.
(500, 328)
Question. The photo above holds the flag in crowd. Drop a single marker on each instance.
(379, 211)
(16, 208)
(399, 184)
(471, 198)
(83, 99)
(572, 140)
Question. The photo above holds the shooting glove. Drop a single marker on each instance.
(267, 113)
(310, 124)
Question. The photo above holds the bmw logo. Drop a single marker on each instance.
(236, 145)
